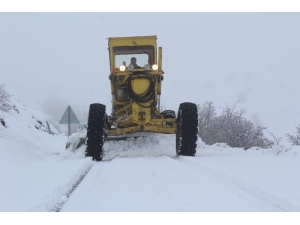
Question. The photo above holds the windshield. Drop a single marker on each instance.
(123, 55)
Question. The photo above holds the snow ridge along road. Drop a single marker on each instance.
(62, 201)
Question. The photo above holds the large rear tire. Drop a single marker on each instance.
(187, 129)
(95, 131)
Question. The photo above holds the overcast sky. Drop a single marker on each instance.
(62, 58)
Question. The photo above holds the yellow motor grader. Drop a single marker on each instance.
(136, 77)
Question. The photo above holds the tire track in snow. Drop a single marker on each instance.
(65, 198)
(269, 200)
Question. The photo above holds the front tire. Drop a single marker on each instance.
(95, 131)
(187, 129)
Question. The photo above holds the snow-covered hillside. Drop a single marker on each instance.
(37, 173)
(35, 170)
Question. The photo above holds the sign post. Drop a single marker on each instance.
(69, 117)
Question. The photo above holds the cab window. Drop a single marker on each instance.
(123, 54)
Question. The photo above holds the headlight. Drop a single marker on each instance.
(130, 67)
(147, 67)
(122, 68)
(155, 67)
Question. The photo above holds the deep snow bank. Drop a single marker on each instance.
(28, 133)
(35, 169)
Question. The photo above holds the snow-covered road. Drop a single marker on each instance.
(218, 179)
(166, 184)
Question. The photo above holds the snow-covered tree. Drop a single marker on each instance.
(206, 114)
(4, 99)
(230, 127)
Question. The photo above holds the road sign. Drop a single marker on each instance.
(69, 117)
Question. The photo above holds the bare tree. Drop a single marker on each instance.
(294, 140)
(277, 140)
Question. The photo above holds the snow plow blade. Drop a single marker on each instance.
(126, 136)
(76, 141)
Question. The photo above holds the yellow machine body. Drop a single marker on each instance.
(136, 91)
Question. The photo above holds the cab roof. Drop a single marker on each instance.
(128, 41)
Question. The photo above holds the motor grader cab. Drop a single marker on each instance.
(136, 77)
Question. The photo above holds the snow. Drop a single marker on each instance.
(35, 170)
(37, 174)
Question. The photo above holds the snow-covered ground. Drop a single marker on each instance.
(139, 174)
(35, 169)
(219, 178)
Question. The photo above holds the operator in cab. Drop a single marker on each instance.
(133, 62)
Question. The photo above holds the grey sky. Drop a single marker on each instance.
(219, 57)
